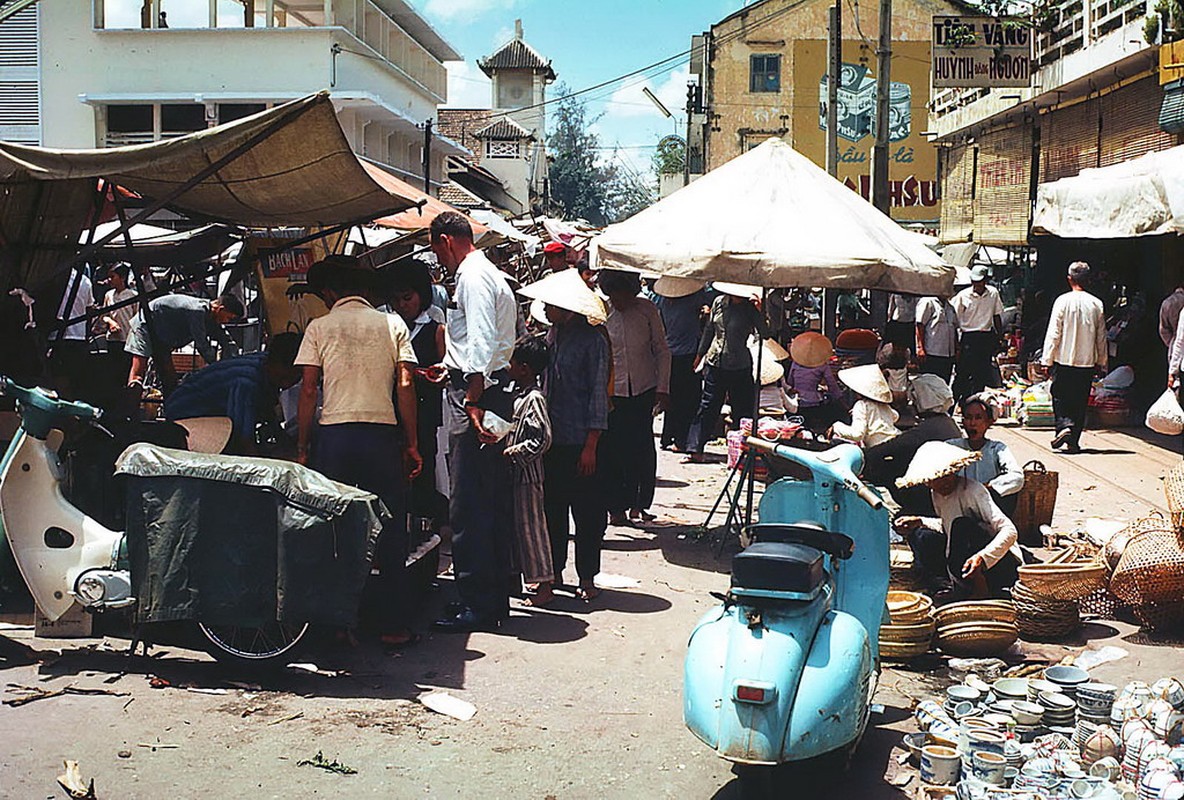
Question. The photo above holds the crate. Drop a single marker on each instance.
(74, 624)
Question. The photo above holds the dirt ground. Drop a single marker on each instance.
(573, 701)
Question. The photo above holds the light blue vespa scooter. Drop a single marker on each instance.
(784, 669)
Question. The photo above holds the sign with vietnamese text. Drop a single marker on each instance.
(987, 52)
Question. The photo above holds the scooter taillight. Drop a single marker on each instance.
(753, 692)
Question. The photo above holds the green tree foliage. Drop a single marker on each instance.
(670, 158)
(583, 185)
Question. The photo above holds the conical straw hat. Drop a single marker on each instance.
(774, 350)
(934, 460)
(566, 289)
(811, 349)
(868, 381)
(737, 289)
(673, 288)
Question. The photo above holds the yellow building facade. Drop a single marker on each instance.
(763, 72)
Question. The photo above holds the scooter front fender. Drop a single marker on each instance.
(833, 698)
(32, 507)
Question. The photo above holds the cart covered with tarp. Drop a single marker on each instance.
(244, 541)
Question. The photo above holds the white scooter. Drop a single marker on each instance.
(65, 556)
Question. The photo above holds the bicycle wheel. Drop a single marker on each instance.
(269, 644)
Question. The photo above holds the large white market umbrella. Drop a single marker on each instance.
(772, 218)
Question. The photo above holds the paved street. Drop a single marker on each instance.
(575, 701)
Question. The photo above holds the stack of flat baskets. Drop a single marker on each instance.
(911, 630)
(1149, 573)
(976, 627)
(1047, 596)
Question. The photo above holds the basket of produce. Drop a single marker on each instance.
(975, 611)
(973, 639)
(1064, 581)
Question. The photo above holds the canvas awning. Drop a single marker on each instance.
(415, 219)
(161, 247)
(1140, 197)
(772, 218)
(290, 165)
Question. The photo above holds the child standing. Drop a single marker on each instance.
(528, 440)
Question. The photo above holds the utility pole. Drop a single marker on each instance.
(880, 197)
(427, 157)
(834, 70)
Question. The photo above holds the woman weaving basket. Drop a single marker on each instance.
(970, 551)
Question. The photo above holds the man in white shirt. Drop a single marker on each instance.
(980, 318)
(1075, 345)
(902, 315)
(481, 327)
(937, 336)
(69, 357)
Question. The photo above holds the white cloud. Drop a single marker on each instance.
(452, 9)
(467, 85)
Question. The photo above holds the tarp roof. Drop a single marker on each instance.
(292, 166)
(772, 218)
(161, 247)
(1140, 197)
(415, 219)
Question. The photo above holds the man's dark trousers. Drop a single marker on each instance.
(976, 368)
(685, 389)
(1070, 398)
(565, 491)
(482, 515)
(370, 456)
(631, 464)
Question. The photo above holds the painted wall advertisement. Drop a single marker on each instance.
(981, 52)
(912, 170)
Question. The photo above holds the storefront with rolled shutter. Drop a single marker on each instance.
(957, 202)
(1003, 186)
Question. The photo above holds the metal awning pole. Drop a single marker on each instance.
(756, 415)
(76, 278)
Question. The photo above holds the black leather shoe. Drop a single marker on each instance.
(1062, 438)
(466, 621)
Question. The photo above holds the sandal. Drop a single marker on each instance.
(587, 593)
(694, 458)
(534, 601)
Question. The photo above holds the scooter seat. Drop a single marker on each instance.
(778, 567)
(811, 534)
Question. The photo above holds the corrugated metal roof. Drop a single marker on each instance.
(516, 54)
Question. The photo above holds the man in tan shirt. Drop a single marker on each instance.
(362, 359)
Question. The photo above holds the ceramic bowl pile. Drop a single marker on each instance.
(1066, 678)
(1095, 702)
(1060, 710)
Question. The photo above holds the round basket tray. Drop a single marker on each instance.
(890, 651)
(1071, 581)
(916, 633)
(976, 638)
(975, 611)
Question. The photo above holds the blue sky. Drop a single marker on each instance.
(588, 43)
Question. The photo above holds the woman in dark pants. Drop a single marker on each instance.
(727, 362)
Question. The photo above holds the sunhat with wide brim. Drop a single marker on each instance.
(674, 288)
(935, 460)
(868, 381)
(206, 434)
(771, 370)
(538, 310)
(811, 349)
(566, 289)
(737, 289)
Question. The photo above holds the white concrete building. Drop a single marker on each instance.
(78, 74)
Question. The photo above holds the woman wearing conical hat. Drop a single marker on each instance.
(873, 420)
(969, 550)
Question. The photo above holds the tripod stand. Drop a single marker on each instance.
(745, 467)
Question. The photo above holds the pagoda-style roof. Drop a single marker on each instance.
(504, 128)
(516, 54)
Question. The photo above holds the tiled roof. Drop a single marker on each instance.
(504, 128)
(459, 125)
(460, 197)
(516, 54)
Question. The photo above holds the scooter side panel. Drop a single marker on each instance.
(861, 582)
(31, 502)
(833, 694)
(726, 650)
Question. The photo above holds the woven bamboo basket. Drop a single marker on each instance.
(975, 611)
(1036, 502)
(1173, 487)
(891, 651)
(1112, 552)
(907, 608)
(977, 638)
(1041, 618)
(1071, 581)
(1151, 570)
(916, 633)
(1161, 616)
(1101, 604)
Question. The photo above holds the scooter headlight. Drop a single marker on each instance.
(91, 590)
